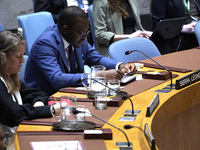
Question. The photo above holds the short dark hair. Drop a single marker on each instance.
(69, 15)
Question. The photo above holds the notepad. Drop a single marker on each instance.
(58, 145)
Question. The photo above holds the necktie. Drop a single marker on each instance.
(80, 3)
(72, 60)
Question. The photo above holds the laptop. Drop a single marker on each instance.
(168, 28)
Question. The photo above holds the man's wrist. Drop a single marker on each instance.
(118, 65)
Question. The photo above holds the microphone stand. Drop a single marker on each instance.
(123, 148)
(129, 52)
(132, 112)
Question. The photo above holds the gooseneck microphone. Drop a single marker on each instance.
(78, 81)
(75, 111)
(129, 52)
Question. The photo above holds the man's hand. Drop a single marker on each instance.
(110, 74)
(128, 68)
(189, 27)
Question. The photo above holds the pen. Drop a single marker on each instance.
(55, 99)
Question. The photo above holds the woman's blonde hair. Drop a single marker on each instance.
(117, 6)
(8, 43)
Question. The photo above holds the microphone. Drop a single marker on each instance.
(132, 111)
(75, 111)
(129, 52)
(128, 127)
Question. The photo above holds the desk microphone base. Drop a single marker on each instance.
(126, 148)
(124, 145)
(130, 115)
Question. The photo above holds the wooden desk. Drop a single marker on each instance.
(178, 110)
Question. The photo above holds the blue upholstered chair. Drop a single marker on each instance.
(1, 27)
(33, 25)
(197, 31)
(22, 70)
(117, 49)
(91, 24)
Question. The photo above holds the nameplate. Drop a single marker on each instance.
(187, 80)
(105, 133)
(152, 106)
(149, 137)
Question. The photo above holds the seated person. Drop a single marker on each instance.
(18, 101)
(116, 20)
(50, 67)
(56, 6)
(1, 27)
(2, 139)
(162, 9)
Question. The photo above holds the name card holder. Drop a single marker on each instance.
(149, 137)
(187, 80)
(105, 133)
(152, 106)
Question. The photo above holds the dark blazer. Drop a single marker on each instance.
(53, 6)
(11, 113)
(47, 67)
(166, 9)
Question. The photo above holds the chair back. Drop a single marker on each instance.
(91, 24)
(197, 31)
(22, 70)
(117, 49)
(33, 25)
(1, 27)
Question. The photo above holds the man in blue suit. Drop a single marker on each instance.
(48, 67)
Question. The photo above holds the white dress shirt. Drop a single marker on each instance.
(74, 3)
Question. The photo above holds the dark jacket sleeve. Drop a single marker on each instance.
(53, 6)
(31, 95)
(11, 113)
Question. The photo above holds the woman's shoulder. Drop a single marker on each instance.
(100, 2)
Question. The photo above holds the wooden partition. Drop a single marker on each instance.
(176, 124)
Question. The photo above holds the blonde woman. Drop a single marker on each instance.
(18, 101)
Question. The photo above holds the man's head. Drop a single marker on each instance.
(73, 24)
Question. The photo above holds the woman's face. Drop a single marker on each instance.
(14, 60)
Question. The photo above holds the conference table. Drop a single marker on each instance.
(173, 123)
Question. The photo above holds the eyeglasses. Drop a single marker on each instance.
(81, 32)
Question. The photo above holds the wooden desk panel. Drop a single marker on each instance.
(141, 100)
(187, 59)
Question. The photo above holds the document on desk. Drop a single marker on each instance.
(58, 145)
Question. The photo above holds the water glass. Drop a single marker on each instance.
(101, 100)
(113, 84)
(68, 100)
(80, 115)
(67, 114)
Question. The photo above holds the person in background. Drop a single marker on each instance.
(1, 27)
(58, 56)
(116, 20)
(56, 6)
(2, 139)
(162, 9)
(18, 101)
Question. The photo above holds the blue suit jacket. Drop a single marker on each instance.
(47, 67)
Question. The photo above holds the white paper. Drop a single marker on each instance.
(87, 112)
(93, 131)
(58, 145)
